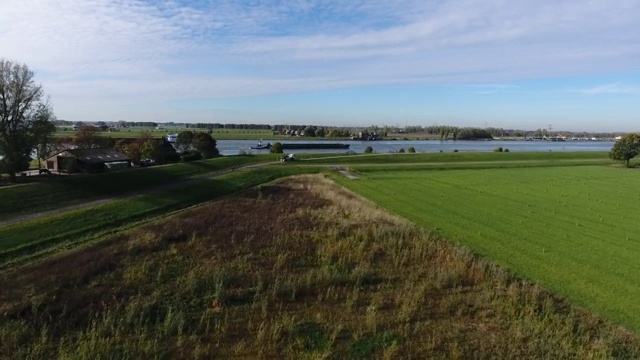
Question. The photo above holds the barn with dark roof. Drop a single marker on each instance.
(87, 160)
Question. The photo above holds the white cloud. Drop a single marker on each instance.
(113, 52)
(615, 88)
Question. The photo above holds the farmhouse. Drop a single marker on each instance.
(87, 160)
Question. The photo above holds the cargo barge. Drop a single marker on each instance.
(302, 146)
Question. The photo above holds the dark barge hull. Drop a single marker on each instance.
(302, 146)
(314, 146)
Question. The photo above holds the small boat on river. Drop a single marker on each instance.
(260, 146)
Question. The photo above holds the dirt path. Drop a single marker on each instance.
(345, 172)
(95, 202)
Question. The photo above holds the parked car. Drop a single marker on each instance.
(290, 157)
(146, 162)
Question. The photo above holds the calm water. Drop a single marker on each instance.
(234, 147)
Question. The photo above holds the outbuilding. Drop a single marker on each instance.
(87, 160)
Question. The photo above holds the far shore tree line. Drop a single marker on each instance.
(27, 125)
(444, 132)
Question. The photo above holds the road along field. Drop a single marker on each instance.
(573, 229)
(300, 269)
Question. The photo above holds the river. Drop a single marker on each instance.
(235, 147)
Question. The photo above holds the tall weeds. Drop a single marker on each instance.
(300, 269)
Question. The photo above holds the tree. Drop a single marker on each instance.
(455, 132)
(309, 131)
(151, 149)
(368, 150)
(319, 132)
(144, 147)
(276, 148)
(24, 116)
(626, 148)
(43, 133)
(411, 150)
(88, 137)
(205, 145)
(184, 140)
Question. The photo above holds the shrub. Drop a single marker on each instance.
(455, 150)
(190, 156)
(173, 157)
(401, 151)
(498, 149)
(368, 150)
(506, 150)
(411, 150)
(276, 148)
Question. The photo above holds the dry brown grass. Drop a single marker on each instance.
(298, 269)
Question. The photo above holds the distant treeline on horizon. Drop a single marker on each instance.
(444, 131)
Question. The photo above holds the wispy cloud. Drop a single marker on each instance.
(615, 88)
(114, 51)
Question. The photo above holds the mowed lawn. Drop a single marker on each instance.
(575, 230)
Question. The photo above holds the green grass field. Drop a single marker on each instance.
(572, 229)
(387, 159)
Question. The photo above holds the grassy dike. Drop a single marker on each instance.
(69, 190)
(36, 238)
(314, 272)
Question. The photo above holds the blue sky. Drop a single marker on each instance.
(514, 64)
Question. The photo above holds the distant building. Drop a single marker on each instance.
(87, 160)
(366, 136)
(172, 138)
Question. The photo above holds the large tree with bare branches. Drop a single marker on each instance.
(25, 117)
